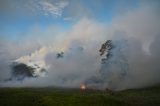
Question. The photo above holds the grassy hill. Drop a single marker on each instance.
(75, 97)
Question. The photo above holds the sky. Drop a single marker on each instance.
(36, 31)
(20, 16)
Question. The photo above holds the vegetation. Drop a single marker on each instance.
(76, 97)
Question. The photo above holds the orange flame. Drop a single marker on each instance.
(83, 87)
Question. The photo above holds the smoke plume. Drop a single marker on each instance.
(120, 55)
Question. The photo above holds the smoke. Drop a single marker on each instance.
(73, 57)
(20, 71)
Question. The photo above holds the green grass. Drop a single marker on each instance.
(75, 97)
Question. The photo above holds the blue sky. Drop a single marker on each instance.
(17, 17)
(34, 31)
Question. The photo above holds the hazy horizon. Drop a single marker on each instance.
(57, 42)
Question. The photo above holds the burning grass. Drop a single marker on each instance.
(75, 97)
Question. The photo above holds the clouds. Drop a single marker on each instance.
(35, 7)
(66, 9)
(135, 35)
(47, 8)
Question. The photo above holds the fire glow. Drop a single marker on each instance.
(83, 87)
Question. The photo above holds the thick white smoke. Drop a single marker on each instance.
(136, 36)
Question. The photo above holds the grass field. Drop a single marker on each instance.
(75, 97)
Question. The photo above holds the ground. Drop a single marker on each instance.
(75, 97)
